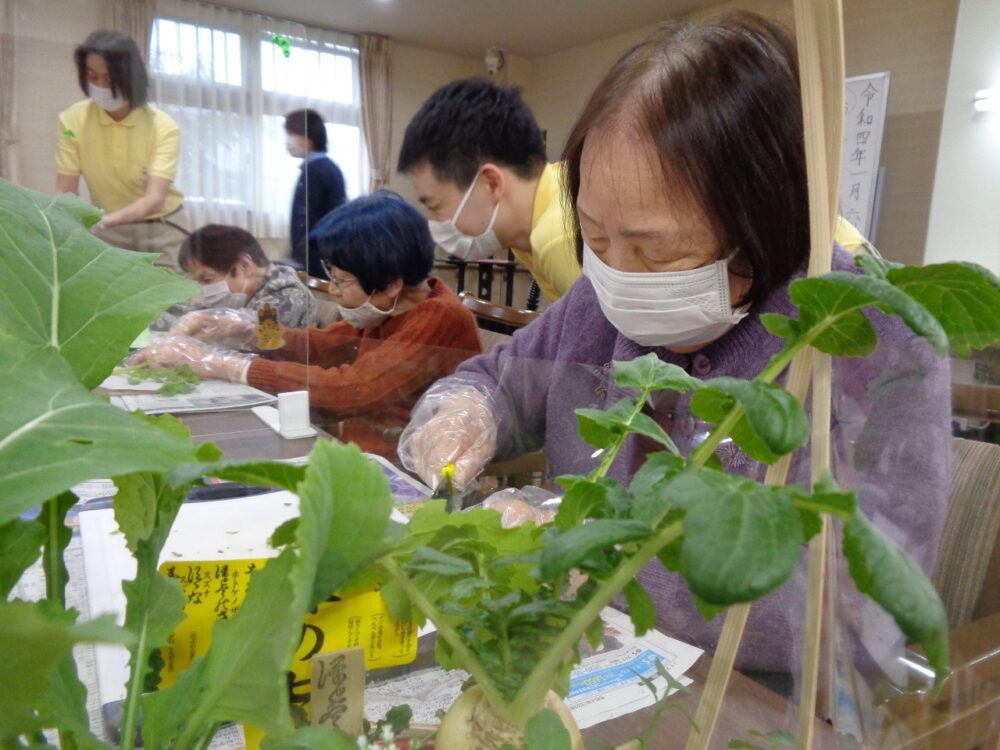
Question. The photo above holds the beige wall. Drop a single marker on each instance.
(912, 40)
(47, 32)
(416, 74)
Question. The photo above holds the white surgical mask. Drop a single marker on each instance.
(461, 245)
(668, 308)
(294, 149)
(105, 99)
(366, 314)
(217, 294)
(211, 292)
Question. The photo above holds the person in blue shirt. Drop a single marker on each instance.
(320, 188)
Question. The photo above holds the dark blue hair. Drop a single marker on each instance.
(378, 238)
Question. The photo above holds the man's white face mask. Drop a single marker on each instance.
(461, 245)
(668, 308)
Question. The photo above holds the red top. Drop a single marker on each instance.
(364, 382)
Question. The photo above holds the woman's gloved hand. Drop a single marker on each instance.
(452, 423)
(204, 359)
(224, 326)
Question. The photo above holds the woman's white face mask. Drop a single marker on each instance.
(105, 99)
(467, 247)
(667, 308)
(366, 314)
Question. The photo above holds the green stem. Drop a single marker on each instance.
(612, 452)
(452, 636)
(130, 718)
(769, 374)
(55, 587)
(532, 692)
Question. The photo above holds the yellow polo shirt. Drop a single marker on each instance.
(117, 158)
(848, 236)
(552, 258)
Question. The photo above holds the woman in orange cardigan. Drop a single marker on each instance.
(402, 329)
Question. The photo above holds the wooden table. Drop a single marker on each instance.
(748, 705)
(241, 435)
(966, 714)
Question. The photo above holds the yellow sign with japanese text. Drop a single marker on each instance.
(214, 591)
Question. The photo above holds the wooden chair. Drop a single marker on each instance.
(976, 401)
(968, 570)
(494, 317)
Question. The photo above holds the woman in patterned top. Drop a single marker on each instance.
(234, 273)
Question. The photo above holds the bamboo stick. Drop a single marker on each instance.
(710, 703)
(819, 34)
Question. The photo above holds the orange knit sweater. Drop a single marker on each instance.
(363, 383)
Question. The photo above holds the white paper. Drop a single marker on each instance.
(209, 395)
(121, 383)
(603, 686)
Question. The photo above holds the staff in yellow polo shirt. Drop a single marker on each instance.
(476, 157)
(125, 148)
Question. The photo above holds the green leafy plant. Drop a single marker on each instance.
(508, 604)
(174, 379)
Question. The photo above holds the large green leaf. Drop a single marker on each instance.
(830, 309)
(640, 607)
(567, 549)
(650, 373)
(35, 639)
(965, 299)
(774, 423)
(884, 572)
(265, 473)
(832, 313)
(21, 542)
(313, 738)
(145, 507)
(741, 539)
(54, 433)
(65, 288)
(344, 497)
(242, 677)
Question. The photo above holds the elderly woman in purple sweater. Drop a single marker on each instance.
(687, 172)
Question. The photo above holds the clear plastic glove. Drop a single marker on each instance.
(452, 423)
(521, 505)
(224, 326)
(206, 360)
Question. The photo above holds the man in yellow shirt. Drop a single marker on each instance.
(126, 150)
(477, 159)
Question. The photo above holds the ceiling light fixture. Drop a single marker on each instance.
(986, 100)
(494, 60)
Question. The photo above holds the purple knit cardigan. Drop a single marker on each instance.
(891, 441)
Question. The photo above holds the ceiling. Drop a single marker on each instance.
(529, 28)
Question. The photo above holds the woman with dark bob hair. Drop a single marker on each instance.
(125, 148)
(687, 172)
(402, 329)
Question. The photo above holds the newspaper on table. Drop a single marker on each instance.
(603, 686)
(208, 395)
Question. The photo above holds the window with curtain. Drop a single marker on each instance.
(228, 78)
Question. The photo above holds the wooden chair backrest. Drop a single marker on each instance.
(968, 569)
(502, 315)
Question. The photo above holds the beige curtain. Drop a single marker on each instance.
(376, 103)
(135, 18)
(8, 136)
